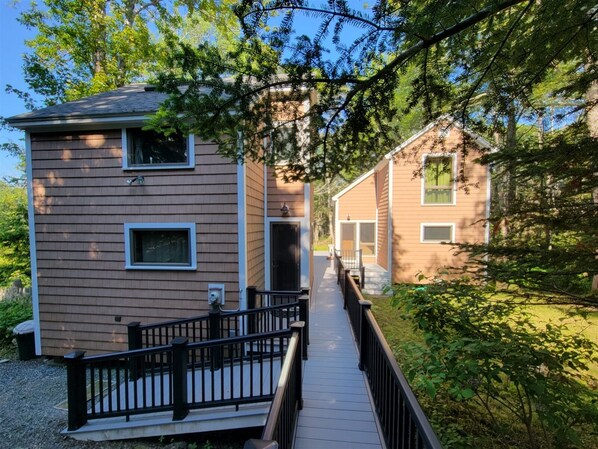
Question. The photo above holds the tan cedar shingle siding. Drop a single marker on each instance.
(255, 224)
(409, 255)
(81, 202)
(280, 192)
(382, 204)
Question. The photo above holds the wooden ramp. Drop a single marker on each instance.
(337, 411)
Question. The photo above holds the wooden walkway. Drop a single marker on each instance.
(337, 411)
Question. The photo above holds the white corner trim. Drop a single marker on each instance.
(125, 159)
(242, 233)
(391, 172)
(306, 238)
(191, 227)
(267, 242)
(488, 204)
(32, 246)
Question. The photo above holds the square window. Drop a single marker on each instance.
(438, 180)
(437, 233)
(160, 246)
(151, 150)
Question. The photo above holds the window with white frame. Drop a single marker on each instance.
(160, 246)
(437, 232)
(438, 180)
(359, 235)
(150, 150)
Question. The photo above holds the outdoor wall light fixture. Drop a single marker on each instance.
(285, 210)
(348, 217)
(137, 179)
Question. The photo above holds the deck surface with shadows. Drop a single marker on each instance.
(337, 411)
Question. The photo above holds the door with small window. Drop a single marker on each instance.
(358, 235)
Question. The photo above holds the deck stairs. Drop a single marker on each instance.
(376, 279)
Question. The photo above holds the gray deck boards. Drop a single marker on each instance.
(337, 412)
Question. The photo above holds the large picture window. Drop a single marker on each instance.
(151, 150)
(438, 180)
(160, 246)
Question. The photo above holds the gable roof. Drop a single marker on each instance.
(451, 122)
(137, 99)
(353, 184)
(444, 118)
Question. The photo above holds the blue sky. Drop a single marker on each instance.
(12, 47)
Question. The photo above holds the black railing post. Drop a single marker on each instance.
(364, 306)
(362, 275)
(251, 318)
(76, 387)
(304, 316)
(346, 287)
(135, 342)
(298, 329)
(215, 331)
(180, 406)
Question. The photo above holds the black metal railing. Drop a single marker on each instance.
(177, 377)
(403, 422)
(267, 311)
(279, 431)
(352, 261)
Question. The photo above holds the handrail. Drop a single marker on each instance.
(403, 422)
(279, 430)
(164, 378)
(277, 309)
(351, 260)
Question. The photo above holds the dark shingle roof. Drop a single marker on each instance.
(133, 99)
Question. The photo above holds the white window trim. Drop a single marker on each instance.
(423, 180)
(157, 226)
(423, 225)
(190, 151)
(358, 235)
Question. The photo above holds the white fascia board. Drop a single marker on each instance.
(81, 122)
(353, 184)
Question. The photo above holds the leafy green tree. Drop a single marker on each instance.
(14, 234)
(457, 49)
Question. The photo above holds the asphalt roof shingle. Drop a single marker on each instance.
(126, 100)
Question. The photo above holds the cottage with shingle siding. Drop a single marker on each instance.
(129, 225)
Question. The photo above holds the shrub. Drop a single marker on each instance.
(12, 312)
(487, 350)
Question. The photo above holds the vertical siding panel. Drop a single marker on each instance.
(82, 200)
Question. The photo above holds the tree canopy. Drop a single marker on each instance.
(473, 59)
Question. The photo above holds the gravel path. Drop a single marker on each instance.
(29, 392)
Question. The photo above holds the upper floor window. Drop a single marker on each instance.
(152, 150)
(438, 182)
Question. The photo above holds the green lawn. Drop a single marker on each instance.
(466, 421)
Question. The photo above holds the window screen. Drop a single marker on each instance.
(367, 238)
(438, 183)
(149, 148)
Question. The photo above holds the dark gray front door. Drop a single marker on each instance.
(285, 256)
